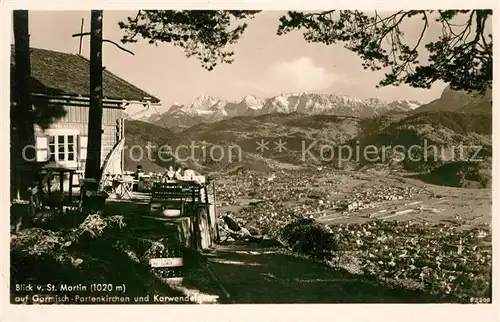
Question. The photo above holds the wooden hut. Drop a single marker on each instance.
(60, 87)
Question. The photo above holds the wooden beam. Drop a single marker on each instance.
(81, 38)
(86, 99)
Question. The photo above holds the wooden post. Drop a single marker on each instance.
(81, 37)
(93, 164)
(123, 150)
(22, 114)
(217, 238)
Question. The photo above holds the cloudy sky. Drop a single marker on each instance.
(265, 64)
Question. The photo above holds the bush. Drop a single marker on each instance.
(100, 250)
(459, 173)
(309, 237)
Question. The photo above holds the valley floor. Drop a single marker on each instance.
(374, 195)
(254, 275)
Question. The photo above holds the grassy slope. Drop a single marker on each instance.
(139, 133)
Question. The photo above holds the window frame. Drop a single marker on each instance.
(59, 147)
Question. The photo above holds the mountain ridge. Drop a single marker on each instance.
(459, 101)
(209, 109)
(456, 119)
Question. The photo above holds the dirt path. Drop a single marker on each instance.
(258, 275)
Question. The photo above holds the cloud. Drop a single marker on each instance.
(300, 75)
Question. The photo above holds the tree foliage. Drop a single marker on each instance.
(204, 34)
(461, 56)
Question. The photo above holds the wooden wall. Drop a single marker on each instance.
(75, 120)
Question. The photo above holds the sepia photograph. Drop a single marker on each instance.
(251, 157)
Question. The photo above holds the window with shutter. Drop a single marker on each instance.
(82, 148)
(42, 148)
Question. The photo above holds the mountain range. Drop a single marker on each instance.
(208, 109)
(454, 119)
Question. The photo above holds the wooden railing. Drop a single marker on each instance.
(42, 195)
(191, 199)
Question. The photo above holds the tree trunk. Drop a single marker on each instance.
(93, 164)
(23, 137)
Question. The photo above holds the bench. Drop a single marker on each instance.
(179, 197)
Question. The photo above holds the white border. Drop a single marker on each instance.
(361, 312)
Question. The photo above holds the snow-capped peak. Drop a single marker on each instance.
(407, 104)
(211, 109)
(204, 102)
